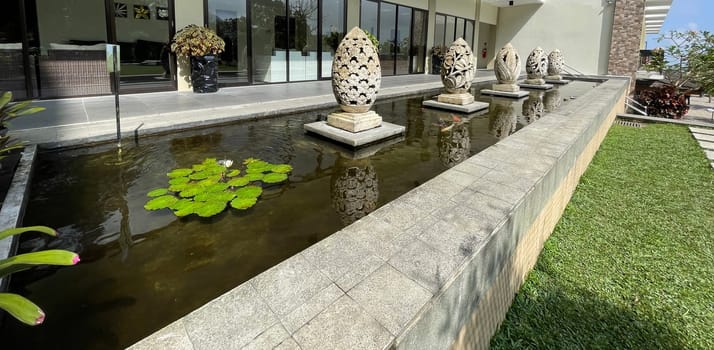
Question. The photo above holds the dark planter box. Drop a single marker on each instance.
(204, 73)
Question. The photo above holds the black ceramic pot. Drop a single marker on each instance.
(204, 73)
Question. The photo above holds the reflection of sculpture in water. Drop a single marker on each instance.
(552, 100)
(454, 144)
(502, 118)
(354, 188)
(533, 107)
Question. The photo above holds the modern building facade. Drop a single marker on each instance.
(56, 48)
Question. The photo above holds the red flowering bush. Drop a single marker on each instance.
(663, 102)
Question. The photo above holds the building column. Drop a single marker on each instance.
(186, 12)
(626, 38)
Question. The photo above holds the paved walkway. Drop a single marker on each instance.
(78, 121)
(699, 110)
(705, 138)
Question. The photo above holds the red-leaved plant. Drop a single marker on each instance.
(663, 102)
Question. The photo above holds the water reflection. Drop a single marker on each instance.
(552, 100)
(454, 143)
(502, 118)
(354, 188)
(533, 107)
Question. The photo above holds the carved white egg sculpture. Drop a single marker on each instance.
(356, 73)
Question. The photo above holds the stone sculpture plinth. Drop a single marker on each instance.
(507, 66)
(533, 108)
(356, 76)
(552, 100)
(457, 73)
(536, 68)
(555, 67)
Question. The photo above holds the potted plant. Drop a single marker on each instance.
(201, 45)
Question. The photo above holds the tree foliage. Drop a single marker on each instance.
(688, 58)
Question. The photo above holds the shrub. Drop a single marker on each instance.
(193, 40)
(664, 102)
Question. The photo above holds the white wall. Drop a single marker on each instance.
(581, 29)
(461, 8)
(489, 14)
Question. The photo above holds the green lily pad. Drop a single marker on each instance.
(181, 204)
(179, 187)
(207, 182)
(273, 178)
(160, 202)
(244, 203)
(210, 161)
(179, 180)
(257, 163)
(254, 176)
(210, 208)
(191, 191)
(281, 168)
(219, 187)
(198, 167)
(233, 173)
(179, 173)
(184, 211)
(157, 192)
(258, 169)
(214, 196)
(238, 182)
(249, 192)
(200, 175)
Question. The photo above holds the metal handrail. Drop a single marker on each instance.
(632, 103)
(570, 68)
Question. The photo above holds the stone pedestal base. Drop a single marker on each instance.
(354, 122)
(537, 86)
(533, 82)
(456, 99)
(511, 94)
(356, 139)
(467, 108)
(559, 80)
(505, 87)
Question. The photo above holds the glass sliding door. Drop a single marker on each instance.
(459, 28)
(12, 64)
(387, 37)
(449, 31)
(228, 19)
(143, 33)
(302, 49)
(403, 39)
(333, 30)
(418, 49)
(469, 32)
(369, 17)
(269, 40)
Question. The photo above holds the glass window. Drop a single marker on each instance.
(459, 28)
(418, 50)
(469, 35)
(368, 16)
(269, 38)
(303, 40)
(387, 37)
(12, 68)
(450, 27)
(333, 30)
(439, 30)
(228, 19)
(404, 25)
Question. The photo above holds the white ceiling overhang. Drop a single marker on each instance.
(655, 13)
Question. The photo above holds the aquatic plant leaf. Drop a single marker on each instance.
(260, 169)
(16, 231)
(210, 161)
(207, 182)
(182, 203)
(179, 180)
(250, 160)
(198, 167)
(210, 208)
(157, 192)
(238, 181)
(191, 191)
(22, 309)
(281, 168)
(200, 175)
(254, 176)
(160, 202)
(257, 163)
(181, 172)
(202, 197)
(179, 187)
(26, 261)
(243, 203)
(185, 211)
(249, 192)
(233, 173)
(218, 187)
(273, 178)
(224, 196)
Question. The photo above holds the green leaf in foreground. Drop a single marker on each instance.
(16, 231)
(243, 203)
(181, 172)
(249, 192)
(22, 309)
(25, 261)
(273, 178)
(157, 192)
(160, 202)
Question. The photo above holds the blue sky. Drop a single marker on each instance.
(685, 15)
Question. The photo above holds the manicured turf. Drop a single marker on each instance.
(630, 265)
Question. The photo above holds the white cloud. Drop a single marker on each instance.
(692, 26)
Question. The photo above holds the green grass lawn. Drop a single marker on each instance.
(630, 265)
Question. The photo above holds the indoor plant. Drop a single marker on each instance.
(201, 45)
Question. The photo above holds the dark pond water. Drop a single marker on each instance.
(141, 270)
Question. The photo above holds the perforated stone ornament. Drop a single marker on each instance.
(507, 66)
(536, 66)
(555, 65)
(356, 72)
(457, 70)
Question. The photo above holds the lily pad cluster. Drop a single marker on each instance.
(206, 189)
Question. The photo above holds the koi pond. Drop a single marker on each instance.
(141, 269)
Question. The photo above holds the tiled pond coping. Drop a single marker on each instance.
(433, 269)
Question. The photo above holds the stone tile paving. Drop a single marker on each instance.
(705, 138)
